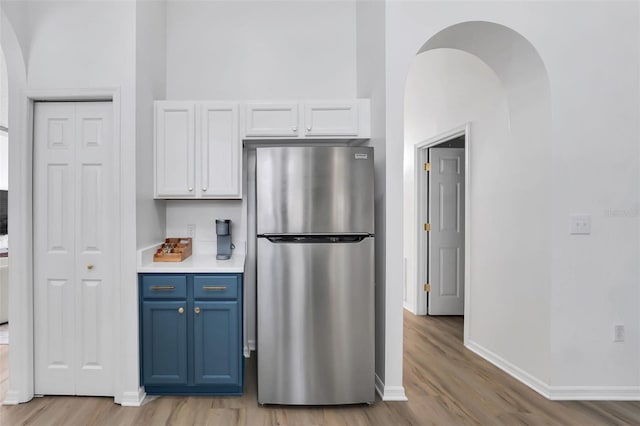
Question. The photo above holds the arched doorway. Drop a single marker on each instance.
(492, 78)
(20, 314)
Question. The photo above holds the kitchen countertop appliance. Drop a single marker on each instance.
(223, 237)
(315, 272)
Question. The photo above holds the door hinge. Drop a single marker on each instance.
(427, 227)
(427, 167)
(427, 287)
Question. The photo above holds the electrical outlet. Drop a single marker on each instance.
(191, 230)
(618, 332)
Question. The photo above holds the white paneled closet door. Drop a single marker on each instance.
(74, 243)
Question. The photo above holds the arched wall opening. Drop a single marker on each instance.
(20, 270)
(490, 77)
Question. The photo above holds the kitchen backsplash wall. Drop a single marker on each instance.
(203, 214)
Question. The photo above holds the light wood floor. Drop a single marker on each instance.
(446, 385)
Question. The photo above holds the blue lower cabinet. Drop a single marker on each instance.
(193, 344)
(164, 339)
(216, 347)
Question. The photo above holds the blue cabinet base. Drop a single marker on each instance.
(193, 390)
(191, 334)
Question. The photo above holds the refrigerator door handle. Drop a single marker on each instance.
(316, 239)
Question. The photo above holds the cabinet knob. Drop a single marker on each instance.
(196, 310)
(295, 129)
(90, 266)
(204, 189)
(190, 189)
(308, 128)
(181, 310)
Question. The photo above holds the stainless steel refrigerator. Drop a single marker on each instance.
(315, 276)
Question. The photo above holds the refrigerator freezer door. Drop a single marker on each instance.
(316, 190)
(316, 323)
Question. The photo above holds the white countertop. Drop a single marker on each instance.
(196, 263)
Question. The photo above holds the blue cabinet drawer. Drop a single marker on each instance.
(158, 286)
(215, 287)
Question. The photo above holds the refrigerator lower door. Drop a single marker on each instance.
(316, 322)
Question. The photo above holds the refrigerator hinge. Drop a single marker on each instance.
(427, 227)
(427, 167)
(427, 287)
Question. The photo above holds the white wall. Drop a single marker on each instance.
(371, 53)
(595, 171)
(150, 85)
(203, 214)
(4, 121)
(20, 270)
(591, 280)
(4, 161)
(260, 49)
(4, 93)
(16, 12)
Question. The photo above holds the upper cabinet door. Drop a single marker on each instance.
(331, 119)
(220, 151)
(271, 119)
(175, 150)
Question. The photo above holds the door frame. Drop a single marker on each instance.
(21, 364)
(421, 152)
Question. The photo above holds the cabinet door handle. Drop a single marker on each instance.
(204, 189)
(163, 287)
(181, 310)
(295, 129)
(190, 189)
(308, 128)
(196, 310)
(214, 287)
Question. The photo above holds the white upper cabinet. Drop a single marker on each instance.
(331, 119)
(324, 119)
(198, 151)
(175, 150)
(271, 119)
(220, 151)
(198, 144)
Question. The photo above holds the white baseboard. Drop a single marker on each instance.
(558, 393)
(594, 393)
(409, 307)
(390, 393)
(12, 398)
(248, 348)
(133, 398)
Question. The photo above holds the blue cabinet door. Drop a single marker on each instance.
(164, 342)
(217, 342)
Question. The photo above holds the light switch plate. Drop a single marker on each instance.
(580, 224)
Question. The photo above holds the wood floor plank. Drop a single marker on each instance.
(446, 385)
